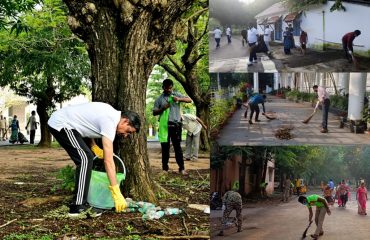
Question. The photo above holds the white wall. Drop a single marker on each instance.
(337, 24)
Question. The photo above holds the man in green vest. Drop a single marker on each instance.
(322, 208)
(167, 106)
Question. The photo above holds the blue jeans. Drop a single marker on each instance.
(325, 113)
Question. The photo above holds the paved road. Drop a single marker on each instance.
(239, 132)
(233, 58)
(287, 221)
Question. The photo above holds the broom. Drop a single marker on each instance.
(305, 231)
(309, 118)
(268, 117)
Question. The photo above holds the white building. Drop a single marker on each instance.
(321, 25)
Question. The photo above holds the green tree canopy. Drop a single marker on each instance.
(48, 64)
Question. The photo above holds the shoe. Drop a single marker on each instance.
(84, 210)
(257, 120)
(250, 122)
(324, 130)
(184, 173)
(194, 159)
(250, 63)
(187, 159)
(239, 229)
(221, 233)
(322, 233)
(254, 61)
(314, 236)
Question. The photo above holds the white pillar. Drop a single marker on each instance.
(277, 81)
(317, 80)
(255, 81)
(321, 79)
(344, 82)
(290, 80)
(357, 87)
(301, 79)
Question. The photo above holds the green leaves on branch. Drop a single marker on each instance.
(48, 64)
(10, 10)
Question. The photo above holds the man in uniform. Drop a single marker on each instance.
(232, 200)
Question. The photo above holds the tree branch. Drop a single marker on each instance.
(177, 66)
(196, 14)
(177, 75)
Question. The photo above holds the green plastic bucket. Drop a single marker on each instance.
(99, 195)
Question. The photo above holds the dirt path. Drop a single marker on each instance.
(285, 221)
(35, 209)
(32, 161)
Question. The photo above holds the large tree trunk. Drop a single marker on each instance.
(242, 169)
(125, 40)
(42, 110)
(45, 140)
(203, 113)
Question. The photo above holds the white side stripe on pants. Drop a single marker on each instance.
(84, 162)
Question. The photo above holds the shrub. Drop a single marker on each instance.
(67, 177)
(339, 102)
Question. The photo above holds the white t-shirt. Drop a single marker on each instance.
(252, 35)
(228, 31)
(217, 33)
(267, 35)
(190, 123)
(91, 120)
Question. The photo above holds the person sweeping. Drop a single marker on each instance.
(232, 200)
(322, 208)
(253, 106)
(323, 98)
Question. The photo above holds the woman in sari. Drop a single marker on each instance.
(14, 126)
(361, 199)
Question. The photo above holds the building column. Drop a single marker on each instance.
(321, 80)
(255, 82)
(276, 81)
(357, 88)
(301, 79)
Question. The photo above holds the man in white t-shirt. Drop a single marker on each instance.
(252, 42)
(193, 125)
(70, 125)
(217, 32)
(267, 38)
(228, 34)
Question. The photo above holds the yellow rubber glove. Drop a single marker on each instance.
(98, 151)
(119, 201)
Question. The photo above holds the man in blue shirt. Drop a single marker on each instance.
(331, 184)
(253, 106)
